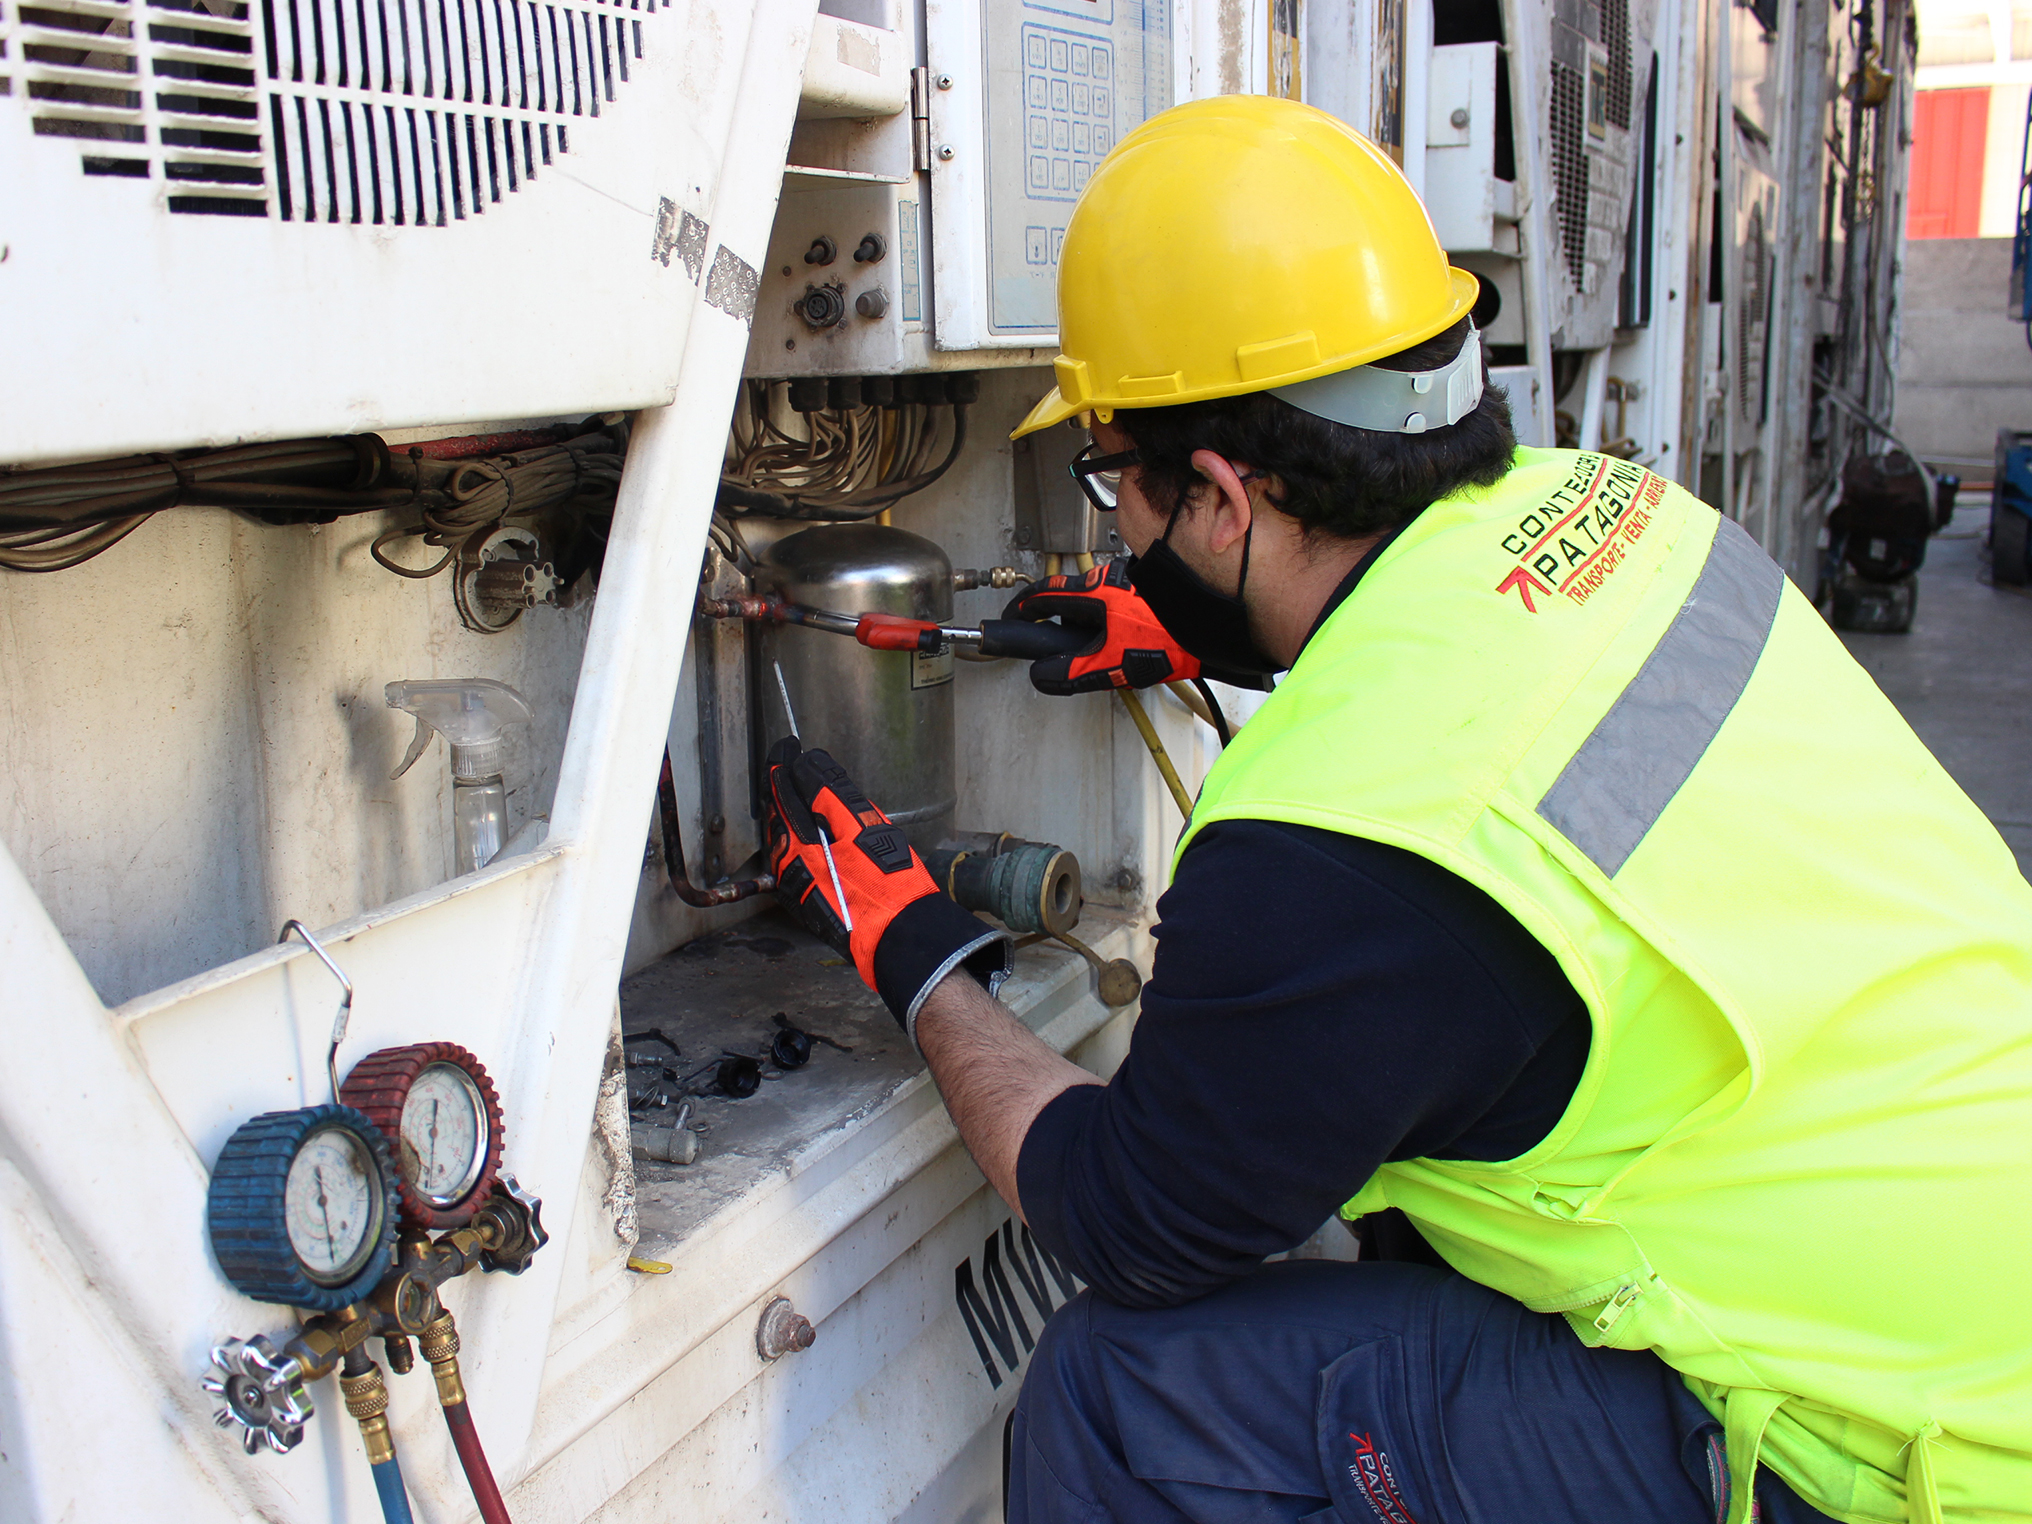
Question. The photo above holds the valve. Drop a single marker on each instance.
(520, 1219)
(262, 1391)
(968, 577)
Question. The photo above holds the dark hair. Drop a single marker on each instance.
(1339, 481)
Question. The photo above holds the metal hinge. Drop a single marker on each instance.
(920, 117)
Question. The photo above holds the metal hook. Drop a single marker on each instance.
(345, 1001)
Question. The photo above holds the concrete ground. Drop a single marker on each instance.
(1963, 676)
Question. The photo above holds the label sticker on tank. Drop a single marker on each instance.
(930, 671)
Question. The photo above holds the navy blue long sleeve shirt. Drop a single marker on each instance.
(1321, 1004)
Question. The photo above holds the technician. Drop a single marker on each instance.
(1574, 900)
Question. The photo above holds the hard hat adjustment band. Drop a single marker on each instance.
(1395, 401)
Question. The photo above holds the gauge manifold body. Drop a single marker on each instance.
(302, 1207)
(442, 1117)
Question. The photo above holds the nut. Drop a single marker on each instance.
(783, 1330)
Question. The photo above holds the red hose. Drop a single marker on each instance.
(466, 446)
(479, 1475)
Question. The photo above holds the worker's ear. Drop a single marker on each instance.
(1225, 497)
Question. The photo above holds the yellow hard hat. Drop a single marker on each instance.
(1237, 244)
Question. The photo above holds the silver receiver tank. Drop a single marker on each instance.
(886, 716)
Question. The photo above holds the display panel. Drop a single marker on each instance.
(1065, 80)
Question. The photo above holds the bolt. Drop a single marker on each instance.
(786, 269)
(945, 81)
(790, 343)
(1459, 117)
(783, 1330)
(946, 151)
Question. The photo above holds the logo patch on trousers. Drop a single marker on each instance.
(1373, 1478)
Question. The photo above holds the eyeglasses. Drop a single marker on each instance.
(1100, 476)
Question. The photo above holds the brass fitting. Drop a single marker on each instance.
(440, 1345)
(367, 1400)
(327, 1339)
(401, 1356)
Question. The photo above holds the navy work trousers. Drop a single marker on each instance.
(1349, 1393)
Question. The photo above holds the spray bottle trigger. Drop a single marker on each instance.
(417, 745)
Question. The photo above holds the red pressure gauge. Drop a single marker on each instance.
(442, 1117)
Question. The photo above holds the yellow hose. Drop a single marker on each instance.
(1051, 564)
(1084, 560)
(1157, 752)
(1188, 696)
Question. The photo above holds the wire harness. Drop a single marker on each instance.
(845, 448)
(57, 517)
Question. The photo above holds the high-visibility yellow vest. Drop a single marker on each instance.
(1798, 1164)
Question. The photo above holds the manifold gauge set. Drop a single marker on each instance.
(357, 1212)
(304, 1204)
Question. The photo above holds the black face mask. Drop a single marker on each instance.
(1211, 626)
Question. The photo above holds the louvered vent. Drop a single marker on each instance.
(1622, 80)
(395, 112)
(1570, 166)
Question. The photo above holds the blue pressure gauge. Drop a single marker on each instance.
(302, 1207)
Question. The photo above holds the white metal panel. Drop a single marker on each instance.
(1462, 193)
(540, 961)
(1527, 402)
(475, 220)
(854, 71)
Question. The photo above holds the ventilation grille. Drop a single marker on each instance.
(1570, 166)
(392, 112)
(1616, 43)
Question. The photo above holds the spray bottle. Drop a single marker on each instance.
(470, 713)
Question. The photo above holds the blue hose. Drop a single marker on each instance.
(394, 1500)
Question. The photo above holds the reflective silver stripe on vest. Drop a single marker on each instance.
(1647, 745)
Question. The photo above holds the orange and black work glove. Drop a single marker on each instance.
(1129, 648)
(848, 872)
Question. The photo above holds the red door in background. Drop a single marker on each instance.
(1945, 197)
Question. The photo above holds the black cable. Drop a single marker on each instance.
(1214, 708)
